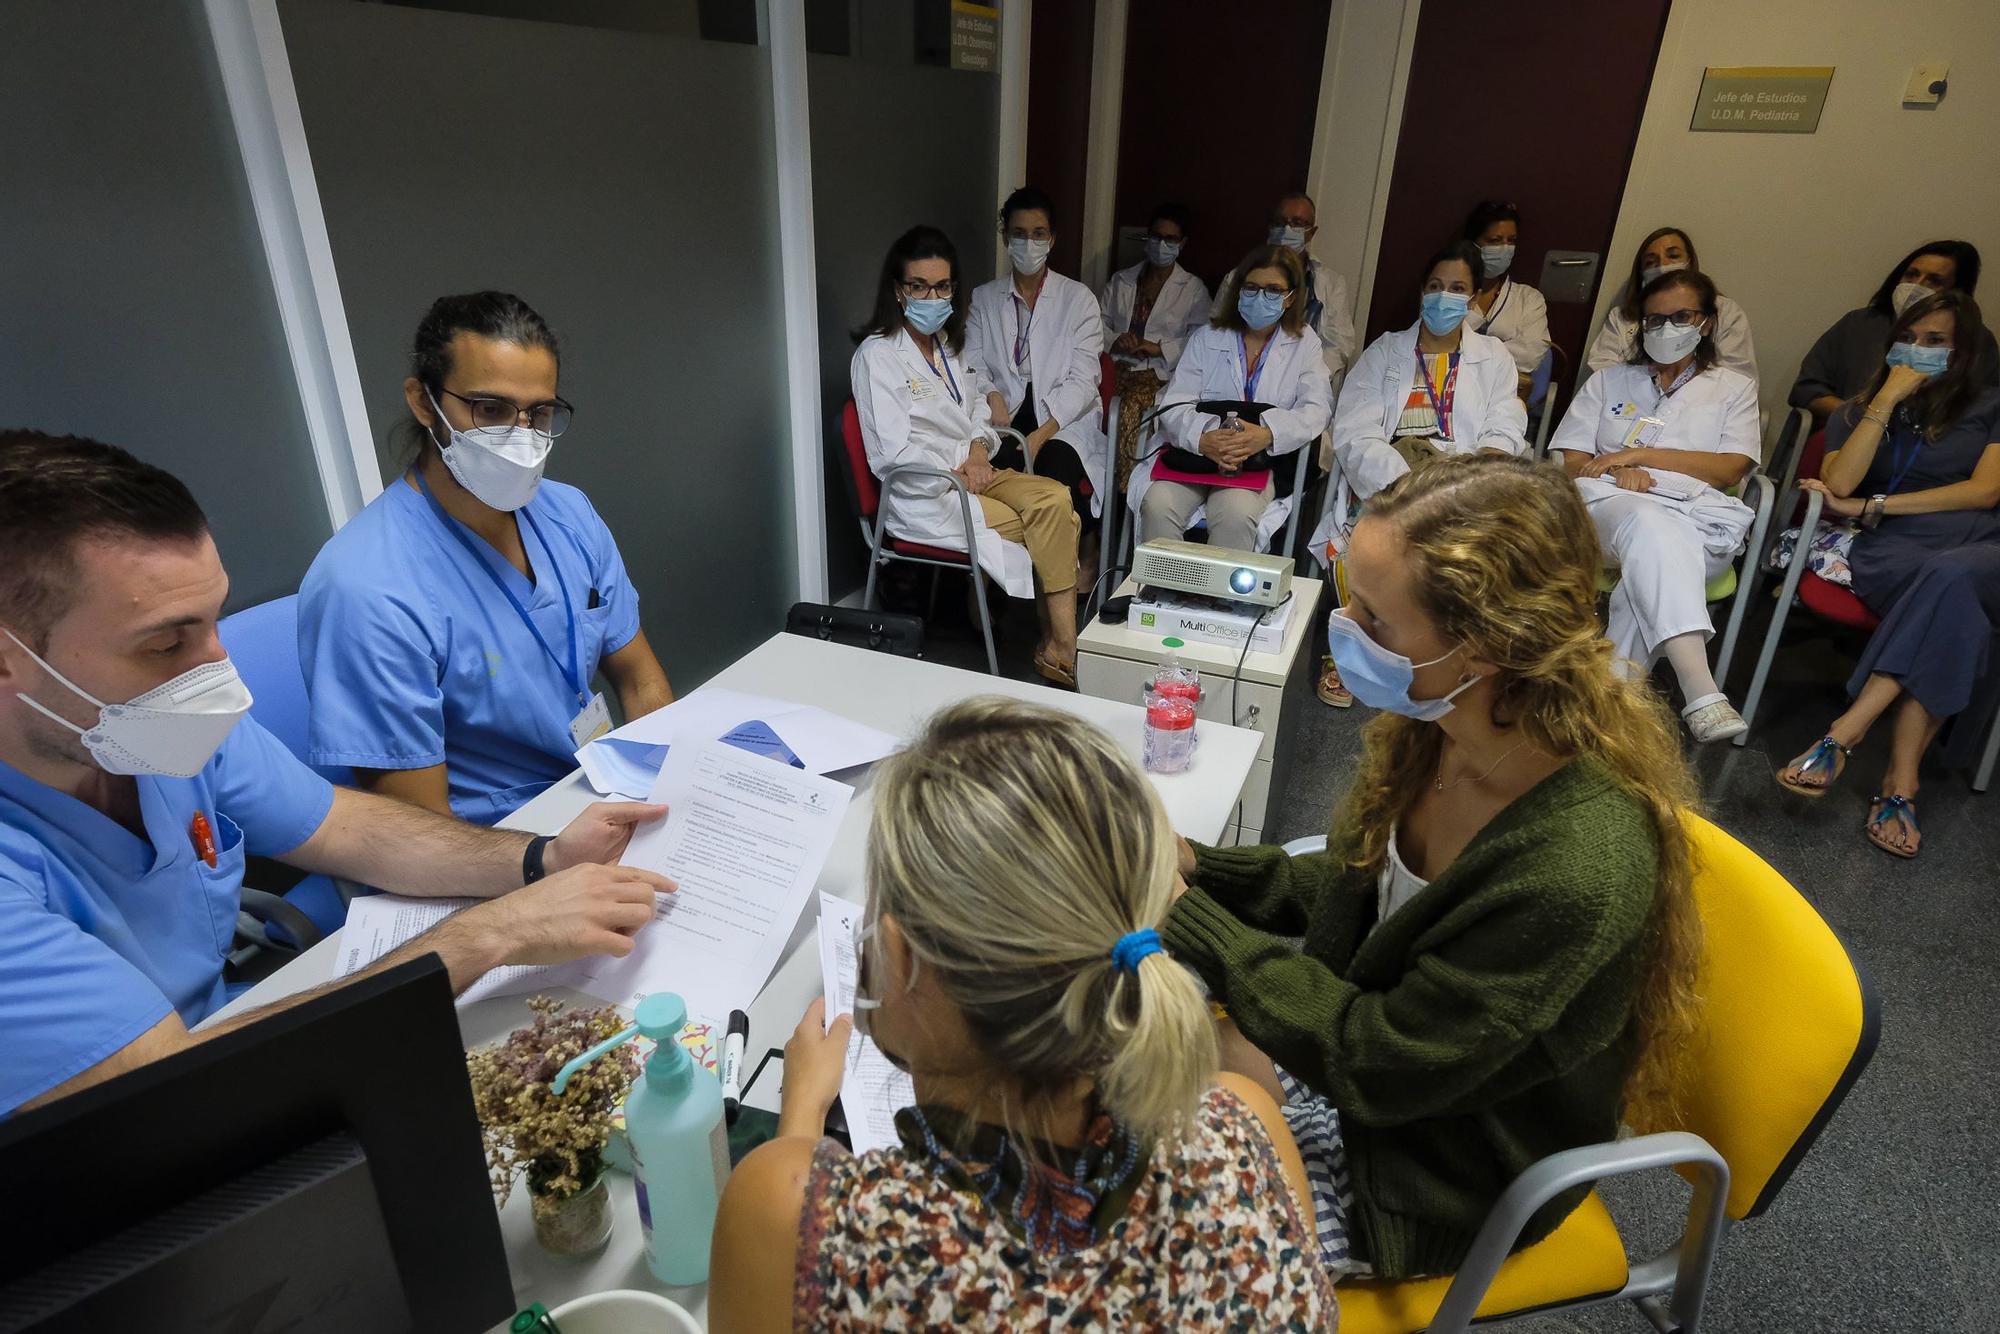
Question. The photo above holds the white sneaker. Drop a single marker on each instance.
(1713, 718)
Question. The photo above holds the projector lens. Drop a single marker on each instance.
(1242, 580)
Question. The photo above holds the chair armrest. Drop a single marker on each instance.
(1027, 463)
(957, 484)
(266, 910)
(1558, 1172)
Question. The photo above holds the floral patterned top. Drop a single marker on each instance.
(1210, 1240)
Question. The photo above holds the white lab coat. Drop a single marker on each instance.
(1065, 340)
(1520, 319)
(1486, 408)
(908, 416)
(1619, 338)
(1667, 546)
(1293, 381)
(1180, 309)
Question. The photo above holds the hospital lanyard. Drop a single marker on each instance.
(1027, 319)
(1903, 463)
(950, 380)
(1440, 408)
(1506, 290)
(575, 673)
(1253, 373)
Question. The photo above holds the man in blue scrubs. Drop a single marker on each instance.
(132, 786)
(450, 633)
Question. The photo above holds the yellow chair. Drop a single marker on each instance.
(1787, 1026)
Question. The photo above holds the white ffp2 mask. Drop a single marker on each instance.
(1669, 343)
(1907, 295)
(502, 469)
(1028, 256)
(172, 730)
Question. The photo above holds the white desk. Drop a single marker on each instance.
(894, 694)
(1114, 661)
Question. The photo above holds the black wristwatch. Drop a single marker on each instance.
(531, 859)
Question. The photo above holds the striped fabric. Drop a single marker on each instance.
(1315, 1126)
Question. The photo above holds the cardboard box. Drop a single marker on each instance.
(1208, 620)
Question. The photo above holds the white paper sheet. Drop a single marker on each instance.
(626, 762)
(378, 923)
(745, 839)
(872, 1090)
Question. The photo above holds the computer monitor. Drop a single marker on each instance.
(317, 1170)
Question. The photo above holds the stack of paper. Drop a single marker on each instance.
(744, 838)
(872, 1090)
(624, 762)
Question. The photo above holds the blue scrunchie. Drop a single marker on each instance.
(1134, 946)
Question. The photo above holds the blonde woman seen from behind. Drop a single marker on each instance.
(1073, 1159)
(1493, 961)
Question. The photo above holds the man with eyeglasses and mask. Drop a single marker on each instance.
(451, 632)
(133, 786)
(1329, 310)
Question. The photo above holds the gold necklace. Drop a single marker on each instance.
(1443, 786)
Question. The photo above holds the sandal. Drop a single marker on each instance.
(1332, 690)
(1826, 755)
(1900, 809)
(1055, 671)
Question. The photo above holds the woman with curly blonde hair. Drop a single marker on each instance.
(1499, 944)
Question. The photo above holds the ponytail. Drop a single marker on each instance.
(1016, 846)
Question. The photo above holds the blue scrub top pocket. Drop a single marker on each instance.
(222, 884)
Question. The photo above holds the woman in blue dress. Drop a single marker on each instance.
(452, 632)
(1916, 458)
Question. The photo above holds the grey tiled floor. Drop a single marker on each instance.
(1888, 1224)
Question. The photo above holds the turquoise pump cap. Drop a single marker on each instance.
(661, 1016)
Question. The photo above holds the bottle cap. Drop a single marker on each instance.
(1170, 714)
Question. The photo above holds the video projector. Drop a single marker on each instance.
(1213, 572)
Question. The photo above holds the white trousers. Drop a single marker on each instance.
(1665, 562)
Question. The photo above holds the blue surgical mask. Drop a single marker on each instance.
(1162, 253)
(1444, 310)
(1929, 360)
(1260, 310)
(1381, 679)
(927, 314)
(1292, 238)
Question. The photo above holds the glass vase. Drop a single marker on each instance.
(573, 1224)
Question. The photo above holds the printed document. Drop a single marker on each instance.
(872, 1090)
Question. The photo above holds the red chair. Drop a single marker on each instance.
(864, 490)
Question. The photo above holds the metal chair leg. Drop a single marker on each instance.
(1786, 592)
(985, 620)
(874, 567)
(1985, 774)
(1745, 579)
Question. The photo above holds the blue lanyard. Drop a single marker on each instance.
(1252, 375)
(574, 674)
(1904, 462)
(950, 380)
(1506, 291)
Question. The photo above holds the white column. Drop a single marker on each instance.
(799, 269)
(1016, 18)
(270, 133)
(1369, 44)
(1100, 159)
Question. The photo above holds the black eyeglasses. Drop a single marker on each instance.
(917, 290)
(1681, 318)
(498, 414)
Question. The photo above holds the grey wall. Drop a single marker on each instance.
(135, 304)
(622, 183)
(893, 144)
